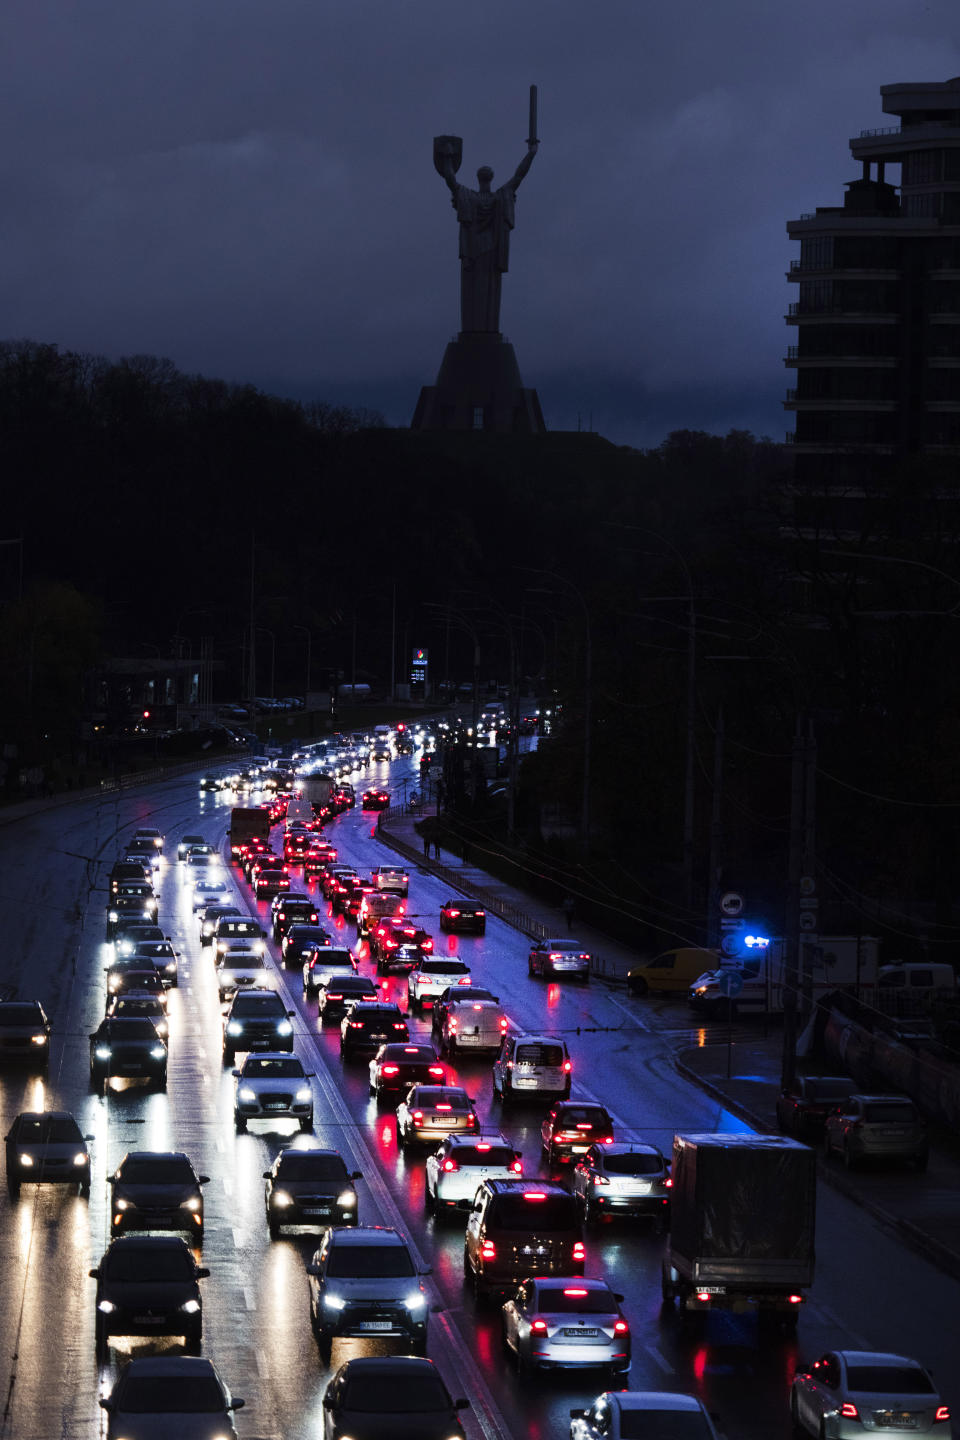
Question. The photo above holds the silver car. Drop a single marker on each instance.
(848, 1393)
(462, 1163)
(566, 1322)
(272, 1086)
(623, 1179)
(624, 1414)
(882, 1127)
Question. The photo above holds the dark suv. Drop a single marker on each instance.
(367, 1027)
(521, 1228)
(147, 1285)
(256, 1020)
(24, 1033)
(292, 910)
(363, 1281)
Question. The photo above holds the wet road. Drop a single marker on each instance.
(869, 1291)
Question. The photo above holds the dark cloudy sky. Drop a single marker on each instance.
(246, 186)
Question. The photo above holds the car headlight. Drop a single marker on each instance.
(122, 1204)
(245, 1093)
(113, 915)
(284, 1028)
(158, 1052)
(221, 946)
(25, 1159)
(103, 1052)
(39, 1039)
(415, 1302)
(193, 1203)
(334, 1302)
(106, 1307)
(281, 1199)
(82, 1158)
(190, 1307)
(346, 1200)
(170, 966)
(234, 1028)
(258, 947)
(303, 1094)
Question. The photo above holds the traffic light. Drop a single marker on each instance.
(146, 714)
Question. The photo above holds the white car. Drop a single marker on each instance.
(270, 1086)
(428, 980)
(462, 1163)
(850, 1393)
(568, 1322)
(206, 892)
(149, 832)
(616, 1415)
(477, 1026)
(238, 969)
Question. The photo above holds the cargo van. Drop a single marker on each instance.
(536, 1065)
(673, 972)
(916, 978)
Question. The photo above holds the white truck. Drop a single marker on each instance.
(316, 788)
(827, 962)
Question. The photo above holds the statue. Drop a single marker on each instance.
(486, 218)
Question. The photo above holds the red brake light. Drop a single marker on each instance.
(443, 1107)
(941, 1414)
(516, 1166)
(452, 914)
(584, 1125)
(418, 1115)
(538, 1327)
(794, 1299)
(703, 1296)
(464, 980)
(579, 1253)
(356, 1024)
(426, 945)
(620, 1327)
(576, 1292)
(534, 1195)
(482, 1145)
(334, 995)
(450, 1165)
(391, 1069)
(399, 1025)
(567, 1066)
(488, 1251)
(668, 1183)
(848, 1411)
(436, 1070)
(608, 1139)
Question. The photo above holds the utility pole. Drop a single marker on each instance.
(791, 959)
(688, 780)
(716, 837)
(252, 652)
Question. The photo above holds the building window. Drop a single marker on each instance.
(816, 252)
(478, 417)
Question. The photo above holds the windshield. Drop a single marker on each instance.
(286, 1069)
(492, 1155)
(142, 1263)
(49, 1130)
(582, 1115)
(129, 1029)
(663, 1425)
(539, 1055)
(157, 1170)
(888, 1380)
(238, 927)
(260, 1005)
(311, 1167)
(170, 1395)
(368, 1262)
(14, 1014)
(570, 1300)
(516, 1212)
(404, 1393)
(444, 967)
(636, 1163)
(243, 960)
(890, 1113)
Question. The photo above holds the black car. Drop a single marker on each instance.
(24, 1034)
(157, 1190)
(143, 980)
(461, 917)
(148, 1285)
(396, 1066)
(299, 940)
(46, 1147)
(369, 1026)
(376, 1395)
(804, 1106)
(170, 1395)
(341, 995)
(130, 933)
(127, 1048)
(127, 965)
(130, 904)
(162, 955)
(256, 1020)
(310, 1187)
(128, 870)
(289, 909)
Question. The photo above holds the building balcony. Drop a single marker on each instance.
(823, 360)
(796, 401)
(840, 447)
(816, 314)
(799, 271)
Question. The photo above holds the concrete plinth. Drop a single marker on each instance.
(479, 388)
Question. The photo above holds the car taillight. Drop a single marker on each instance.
(849, 1411)
(579, 1253)
(436, 1070)
(607, 1140)
(281, 916)
(390, 1070)
(464, 980)
(794, 1299)
(703, 1296)
(333, 995)
(620, 1327)
(452, 914)
(452, 1022)
(516, 1166)
(668, 1183)
(417, 1115)
(449, 1165)
(488, 1251)
(941, 1414)
(538, 1327)
(503, 1024)
(567, 1066)
(355, 1024)
(426, 945)
(554, 955)
(399, 1025)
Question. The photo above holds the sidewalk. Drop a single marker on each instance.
(923, 1210)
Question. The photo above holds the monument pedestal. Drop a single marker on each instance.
(479, 388)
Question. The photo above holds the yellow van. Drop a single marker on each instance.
(671, 973)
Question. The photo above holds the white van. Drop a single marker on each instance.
(916, 978)
(531, 1065)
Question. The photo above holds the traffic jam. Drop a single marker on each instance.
(303, 1142)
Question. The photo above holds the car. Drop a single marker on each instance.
(351, 900)
(369, 1026)
(269, 875)
(881, 1127)
(363, 1283)
(310, 1187)
(398, 1065)
(341, 995)
(139, 1006)
(394, 939)
(161, 955)
(624, 1414)
(431, 977)
(518, 1229)
(144, 849)
(216, 782)
(210, 916)
(301, 941)
(151, 835)
(805, 1104)
(127, 1047)
(849, 1393)
(170, 1395)
(24, 1034)
(531, 1065)
(428, 1111)
(131, 933)
(46, 1148)
(148, 1285)
(238, 968)
(374, 907)
(372, 1397)
(272, 1087)
(558, 1323)
(203, 858)
(375, 799)
(571, 1127)
(461, 1163)
(463, 917)
(623, 1178)
(391, 877)
(333, 879)
(472, 1026)
(134, 900)
(134, 964)
(557, 958)
(256, 1020)
(128, 870)
(138, 979)
(157, 1190)
(326, 964)
(456, 995)
(292, 909)
(187, 842)
(317, 857)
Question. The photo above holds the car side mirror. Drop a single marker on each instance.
(436, 1309)
(94, 1274)
(203, 1179)
(328, 1401)
(88, 1138)
(427, 1271)
(578, 1414)
(291, 1013)
(356, 1174)
(202, 1273)
(314, 1269)
(235, 1074)
(619, 1298)
(106, 1403)
(309, 1074)
(461, 1404)
(266, 1175)
(237, 1404)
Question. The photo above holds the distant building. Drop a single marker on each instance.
(877, 321)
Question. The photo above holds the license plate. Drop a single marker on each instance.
(316, 1210)
(579, 1149)
(275, 1105)
(148, 1319)
(375, 1325)
(380, 1035)
(585, 1334)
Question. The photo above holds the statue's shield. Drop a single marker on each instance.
(447, 147)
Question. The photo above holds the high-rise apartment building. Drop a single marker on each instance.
(877, 321)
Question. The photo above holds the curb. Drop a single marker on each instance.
(906, 1230)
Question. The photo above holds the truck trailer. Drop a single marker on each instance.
(247, 824)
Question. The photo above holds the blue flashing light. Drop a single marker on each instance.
(756, 942)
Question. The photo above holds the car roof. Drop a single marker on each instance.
(255, 1055)
(171, 1366)
(562, 1282)
(535, 1037)
(382, 1367)
(365, 1235)
(443, 1093)
(156, 1155)
(46, 1114)
(653, 1400)
(139, 1241)
(629, 1147)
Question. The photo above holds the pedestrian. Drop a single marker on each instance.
(436, 849)
(569, 907)
(426, 844)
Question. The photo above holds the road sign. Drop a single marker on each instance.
(808, 920)
(730, 983)
(731, 903)
(730, 943)
(808, 885)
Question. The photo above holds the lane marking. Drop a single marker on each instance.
(249, 1297)
(660, 1359)
(239, 1239)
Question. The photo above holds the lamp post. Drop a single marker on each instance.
(306, 688)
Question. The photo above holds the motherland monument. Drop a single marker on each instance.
(479, 385)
